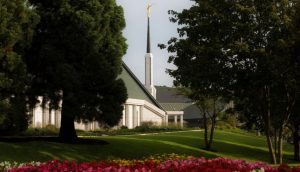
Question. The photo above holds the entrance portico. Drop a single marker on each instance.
(175, 115)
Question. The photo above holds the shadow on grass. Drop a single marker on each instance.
(233, 149)
(23, 139)
(133, 147)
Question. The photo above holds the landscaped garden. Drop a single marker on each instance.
(232, 144)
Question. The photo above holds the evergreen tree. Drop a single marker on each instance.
(77, 50)
(17, 21)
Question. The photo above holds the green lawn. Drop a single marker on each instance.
(236, 145)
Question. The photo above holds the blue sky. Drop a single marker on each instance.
(161, 31)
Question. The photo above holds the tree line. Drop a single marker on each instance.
(245, 51)
(63, 50)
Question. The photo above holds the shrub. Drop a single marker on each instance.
(123, 127)
(223, 125)
(49, 130)
(144, 127)
(232, 121)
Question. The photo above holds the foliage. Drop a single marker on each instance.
(49, 130)
(240, 49)
(200, 56)
(16, 29)
(126, 131)
(223, 125)
(76, 57)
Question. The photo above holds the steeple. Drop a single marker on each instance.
(148, 37)
(148, 28)
(149, 59)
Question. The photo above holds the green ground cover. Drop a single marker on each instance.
(231, 144)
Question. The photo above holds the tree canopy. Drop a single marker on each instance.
(16, 29)
(76, 57)
(241, 50)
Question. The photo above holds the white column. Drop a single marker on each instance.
(127, 116)
(138, 115)
(141, 114)
(96, 125)
(167, 120)
(123, 118)
(181, 120)
(133, 116)
(52, 112)
(57, 116)
(33, 117)
(175, 119)
(130, 116)
(45, 114)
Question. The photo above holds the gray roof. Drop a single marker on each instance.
(170, 95)
(135, 89)
(175, 106)
(171, 100)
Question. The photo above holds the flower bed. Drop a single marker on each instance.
(178, 165)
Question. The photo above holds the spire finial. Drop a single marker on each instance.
(149, 10)
(148, 30)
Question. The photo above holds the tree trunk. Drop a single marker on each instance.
(212, 129)
(279, 144)
(213, 123)
(275, 141)
(67, 132)
(271, 149)
(296, 142)
(207, 146)
(267, 120)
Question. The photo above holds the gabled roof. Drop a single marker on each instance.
(171, 100)
(175, 106)
(170, 95)
(135, 89)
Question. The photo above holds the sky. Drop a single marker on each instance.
(161, 31)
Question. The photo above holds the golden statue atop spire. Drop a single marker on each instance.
(149, 10)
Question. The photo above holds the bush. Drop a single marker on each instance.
(232, 121)
(123, 127)
(223, 125)
(49, 130)
(13, 116)
(145, 126)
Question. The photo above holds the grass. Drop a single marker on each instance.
(231, 144)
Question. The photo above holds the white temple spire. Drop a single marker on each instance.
(149, 59)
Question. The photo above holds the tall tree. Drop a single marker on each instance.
(200, 56)
(16, 29)
(238, 48)
(295, 118)
(77, 50)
